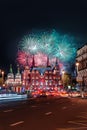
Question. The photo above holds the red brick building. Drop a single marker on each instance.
(43, 78)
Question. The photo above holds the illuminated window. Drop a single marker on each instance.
(46, 77)
(33, 71)
(54, 72)
(46, 83)
(41, 83)
(50, 77)
(37, 83)
(54, 77)
(32, 83)
(50, 83)
(36, 77)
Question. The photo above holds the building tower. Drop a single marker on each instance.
(33, 62)
(56, 74)
(26, 73)
(18, 77)
(10, 77)
(47, 61)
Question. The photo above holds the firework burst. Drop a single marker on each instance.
(40, 59)
(24, 58)
(30, 44)
(47, 44)
(65, 50)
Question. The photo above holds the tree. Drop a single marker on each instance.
(66, 78)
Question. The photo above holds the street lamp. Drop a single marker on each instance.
(63, 77)
(2, 77)
(63, 72)
(77, 64)
(83, 85)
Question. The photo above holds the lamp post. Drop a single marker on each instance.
(63, 77)
(82, 88)
(77, 64)
(80, 79)
(2, 77)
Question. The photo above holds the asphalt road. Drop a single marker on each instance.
(44, 114)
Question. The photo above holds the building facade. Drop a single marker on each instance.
(42, 78)
(81, 65)
(35, 78)
(13, 80)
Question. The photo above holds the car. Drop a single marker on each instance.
(63, 93)
(74, 93)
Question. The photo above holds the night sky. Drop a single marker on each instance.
(19, 17)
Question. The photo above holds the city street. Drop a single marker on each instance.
(44, 114)
(43, 65)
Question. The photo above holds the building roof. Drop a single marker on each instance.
(81, 47)
(42, 70)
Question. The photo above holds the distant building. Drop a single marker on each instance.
(18, 79)
(81, 64)
(13, 80)
(10, 77)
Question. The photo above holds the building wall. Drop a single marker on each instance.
(82, 67)
(49, 79)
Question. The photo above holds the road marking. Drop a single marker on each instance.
(47, 103)
(23, 102)
(48, 113)
(73, 104)
(63, 128)
(64, 107)
(77, 123)
(79, 128)
(8, 110)
(33, 106)
(82, 117)
(17, 123)
(82, 121)
(84, 113)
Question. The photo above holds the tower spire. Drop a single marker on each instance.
(11, 70)
(26, 60)
(33, 62)
(47, 60)
(56, 61)
(18, 70)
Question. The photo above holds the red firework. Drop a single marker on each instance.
(24, 58)
(40, 59)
